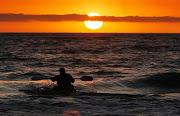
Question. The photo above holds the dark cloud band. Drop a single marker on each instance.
(78, 17)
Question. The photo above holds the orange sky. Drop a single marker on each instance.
(103, 7)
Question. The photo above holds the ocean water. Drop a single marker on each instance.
(134, 74)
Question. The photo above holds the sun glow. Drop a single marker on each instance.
(93, 24)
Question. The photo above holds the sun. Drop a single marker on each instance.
(93, 24)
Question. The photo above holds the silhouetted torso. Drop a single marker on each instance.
(64, 81)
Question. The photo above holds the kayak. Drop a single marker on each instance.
(49, 91)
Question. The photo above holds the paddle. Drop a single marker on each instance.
(83, 78)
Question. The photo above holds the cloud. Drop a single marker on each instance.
(23, 17)
(139, 19)
(78, 17)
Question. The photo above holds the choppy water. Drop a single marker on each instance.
(135, 74)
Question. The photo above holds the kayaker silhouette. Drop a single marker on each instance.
(64, 81)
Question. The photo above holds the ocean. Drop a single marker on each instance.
(134, 74)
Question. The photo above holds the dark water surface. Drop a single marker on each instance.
(135, 74)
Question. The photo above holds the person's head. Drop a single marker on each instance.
(62, 71)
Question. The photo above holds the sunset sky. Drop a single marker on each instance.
(119, 16)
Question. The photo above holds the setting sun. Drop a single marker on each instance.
(93, 24)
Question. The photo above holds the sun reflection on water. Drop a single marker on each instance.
(71, 113)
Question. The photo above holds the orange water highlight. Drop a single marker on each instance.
(89, 82)
(29, 83)
(91, 88)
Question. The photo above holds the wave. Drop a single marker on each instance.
(151, 84)
(34, 74)
(8, 56)
(163, 80)
(158, 83)
(103, 72)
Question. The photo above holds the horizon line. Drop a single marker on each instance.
(12, 17)
(87, 33)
